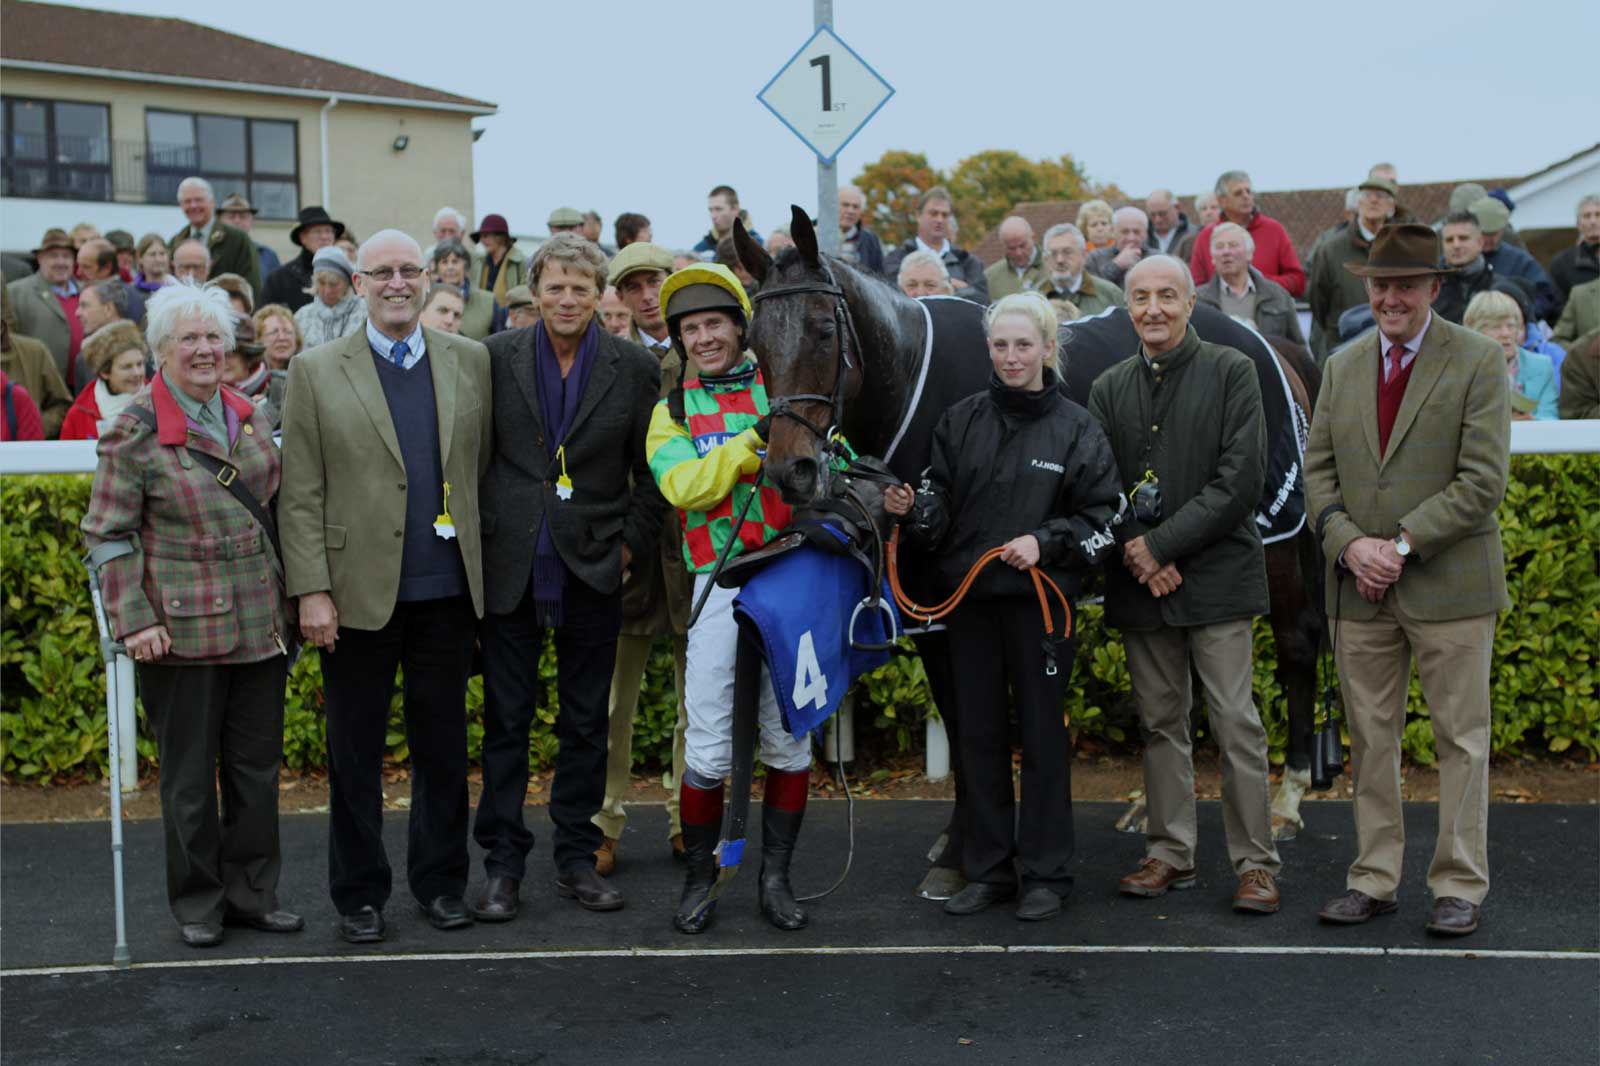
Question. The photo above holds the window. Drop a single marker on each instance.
(56, 149)
(254, 156)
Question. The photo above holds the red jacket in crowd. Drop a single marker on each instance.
(1274, 255)
(19, 415)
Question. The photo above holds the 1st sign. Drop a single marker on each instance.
(825, 94)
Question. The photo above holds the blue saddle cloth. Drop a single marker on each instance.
(800, 606)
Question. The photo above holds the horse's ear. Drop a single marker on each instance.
(805, 236)
(752, 256)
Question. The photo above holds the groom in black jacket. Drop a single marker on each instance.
(561, 522)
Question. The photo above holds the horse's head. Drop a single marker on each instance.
(800, 334)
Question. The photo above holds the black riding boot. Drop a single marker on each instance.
(783, 808)
(700, 812)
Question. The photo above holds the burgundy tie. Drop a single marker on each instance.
(1392, 366)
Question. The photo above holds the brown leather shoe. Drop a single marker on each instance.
(1153, 878)
(1355, 907)
(605, 858)
(1453, 916)
(1258, 893)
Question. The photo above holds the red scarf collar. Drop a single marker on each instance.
(173, 425)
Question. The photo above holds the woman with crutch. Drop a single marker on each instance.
(1023, 469)
(186, 473)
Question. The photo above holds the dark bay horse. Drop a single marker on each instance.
(842, 349)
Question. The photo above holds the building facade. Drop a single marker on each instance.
(103, 114)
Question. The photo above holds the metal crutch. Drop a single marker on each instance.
(111, 650)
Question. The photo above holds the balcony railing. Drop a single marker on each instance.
(94, 168)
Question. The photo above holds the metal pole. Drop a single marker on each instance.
(127, 722)
(827, 173)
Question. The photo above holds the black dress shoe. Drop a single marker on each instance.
(270, 922)
(448, 912)
(1453, 916)
(1038, 904)
(976, 896)
(592, 891)
(201, 934)
(365, 926)
(498, 900)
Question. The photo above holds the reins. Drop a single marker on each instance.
(929, 615)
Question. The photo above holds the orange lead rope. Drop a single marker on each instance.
(929, 615)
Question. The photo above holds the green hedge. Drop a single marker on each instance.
(1545, 699)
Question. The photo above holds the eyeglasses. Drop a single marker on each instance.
(384, 275)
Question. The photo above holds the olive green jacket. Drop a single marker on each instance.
(1440, 480)
(342, 505)
(1093, 296)
(1194, 417)
(656, 592)
(1003, 281)
(1580, 316)
(232, 252)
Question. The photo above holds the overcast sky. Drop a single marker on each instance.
(620, 105)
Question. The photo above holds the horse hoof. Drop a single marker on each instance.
(1283, 829)
(941, 883)
(938, 847)
(1134, 819)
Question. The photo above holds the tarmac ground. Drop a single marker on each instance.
(879, 977)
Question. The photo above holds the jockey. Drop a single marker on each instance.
(705, 449)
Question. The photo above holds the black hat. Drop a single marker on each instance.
(315, 216)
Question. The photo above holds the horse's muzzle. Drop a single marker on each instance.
(799, 480)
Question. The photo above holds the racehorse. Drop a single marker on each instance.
(845, 352)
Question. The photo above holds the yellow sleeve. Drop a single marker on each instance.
(689, 481)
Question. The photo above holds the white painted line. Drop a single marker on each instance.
(702, 953)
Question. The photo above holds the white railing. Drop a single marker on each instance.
(78, 457)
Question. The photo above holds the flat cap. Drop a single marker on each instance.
(519, 296)
(1492, 215)
(640, 255)
(565, 216)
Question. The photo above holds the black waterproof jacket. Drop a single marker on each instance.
(290, 284)
(1008, 462)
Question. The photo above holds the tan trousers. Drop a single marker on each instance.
(1158, 663)
(633, 655)
(1453, 660)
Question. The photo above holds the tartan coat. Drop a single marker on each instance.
(1441, 478)
(201, 565)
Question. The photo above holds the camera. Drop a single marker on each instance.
(1145, 499)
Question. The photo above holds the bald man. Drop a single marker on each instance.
(1023, 268)
(1168, 224)
(386, 433)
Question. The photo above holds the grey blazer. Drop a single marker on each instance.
(1275, 312)
(605, 444)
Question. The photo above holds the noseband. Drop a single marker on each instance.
(783, 406)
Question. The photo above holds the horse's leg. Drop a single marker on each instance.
(944, 879)
(1295, 632)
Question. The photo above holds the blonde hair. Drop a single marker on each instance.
(1489, 308)
(1033, 307)
(110, 341)
(279, 311)
(1092, 209)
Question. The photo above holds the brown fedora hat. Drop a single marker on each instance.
(1401, 250)
(55, 238)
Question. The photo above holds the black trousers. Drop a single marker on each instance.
(431, 642)
(586, 653)
(218, 724)
(995, 644)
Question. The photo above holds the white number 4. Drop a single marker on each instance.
(810, 684)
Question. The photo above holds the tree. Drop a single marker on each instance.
(891, 187)
(987, 185)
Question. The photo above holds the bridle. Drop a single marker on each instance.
(849, 343)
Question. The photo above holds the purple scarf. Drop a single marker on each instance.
(558, 405)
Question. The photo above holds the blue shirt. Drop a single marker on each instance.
(382, 345)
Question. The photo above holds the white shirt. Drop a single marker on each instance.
(416, 348)
(1412, 347)
(940, 252)
(1165, 242)
(1239, 294)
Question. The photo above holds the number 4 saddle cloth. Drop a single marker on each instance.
(819, 627)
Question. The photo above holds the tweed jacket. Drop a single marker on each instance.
(1441, 478)
(342, 513)
(40, 315)
(1275, 312)
(201, 565)
(232, 252)
(604, 446)
(29, 363)
(658, 589)
(1003, 280)
(1581, 315)
(1093, 296)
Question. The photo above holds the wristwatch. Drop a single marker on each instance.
(1401, 547)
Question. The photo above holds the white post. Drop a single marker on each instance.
(827, 173)
(937, 763)
(122, 716)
